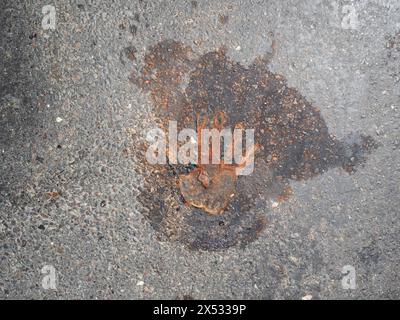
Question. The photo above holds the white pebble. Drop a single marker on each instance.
(274, 204)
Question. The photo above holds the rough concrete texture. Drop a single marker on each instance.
(70, 118)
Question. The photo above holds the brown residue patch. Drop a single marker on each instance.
(211, 189)
(164, 75)
(209, 207)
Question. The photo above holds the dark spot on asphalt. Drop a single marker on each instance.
(394, 42)
(292, 139)
(194, 4)
(133, 29)
(39, 159)
(127, 54)
(223, 18)
(103, 203)
(370, 254)
(41, 227)
(393, 46)
(136, 17)
(33, 35)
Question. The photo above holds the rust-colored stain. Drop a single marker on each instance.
(208, 206)
(209, 188)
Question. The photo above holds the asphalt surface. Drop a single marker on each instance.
(71, 176)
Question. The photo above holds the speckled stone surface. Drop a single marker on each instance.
(70, 118)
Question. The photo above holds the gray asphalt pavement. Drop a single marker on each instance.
(77, 97)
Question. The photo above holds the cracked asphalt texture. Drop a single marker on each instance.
(68, 184)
